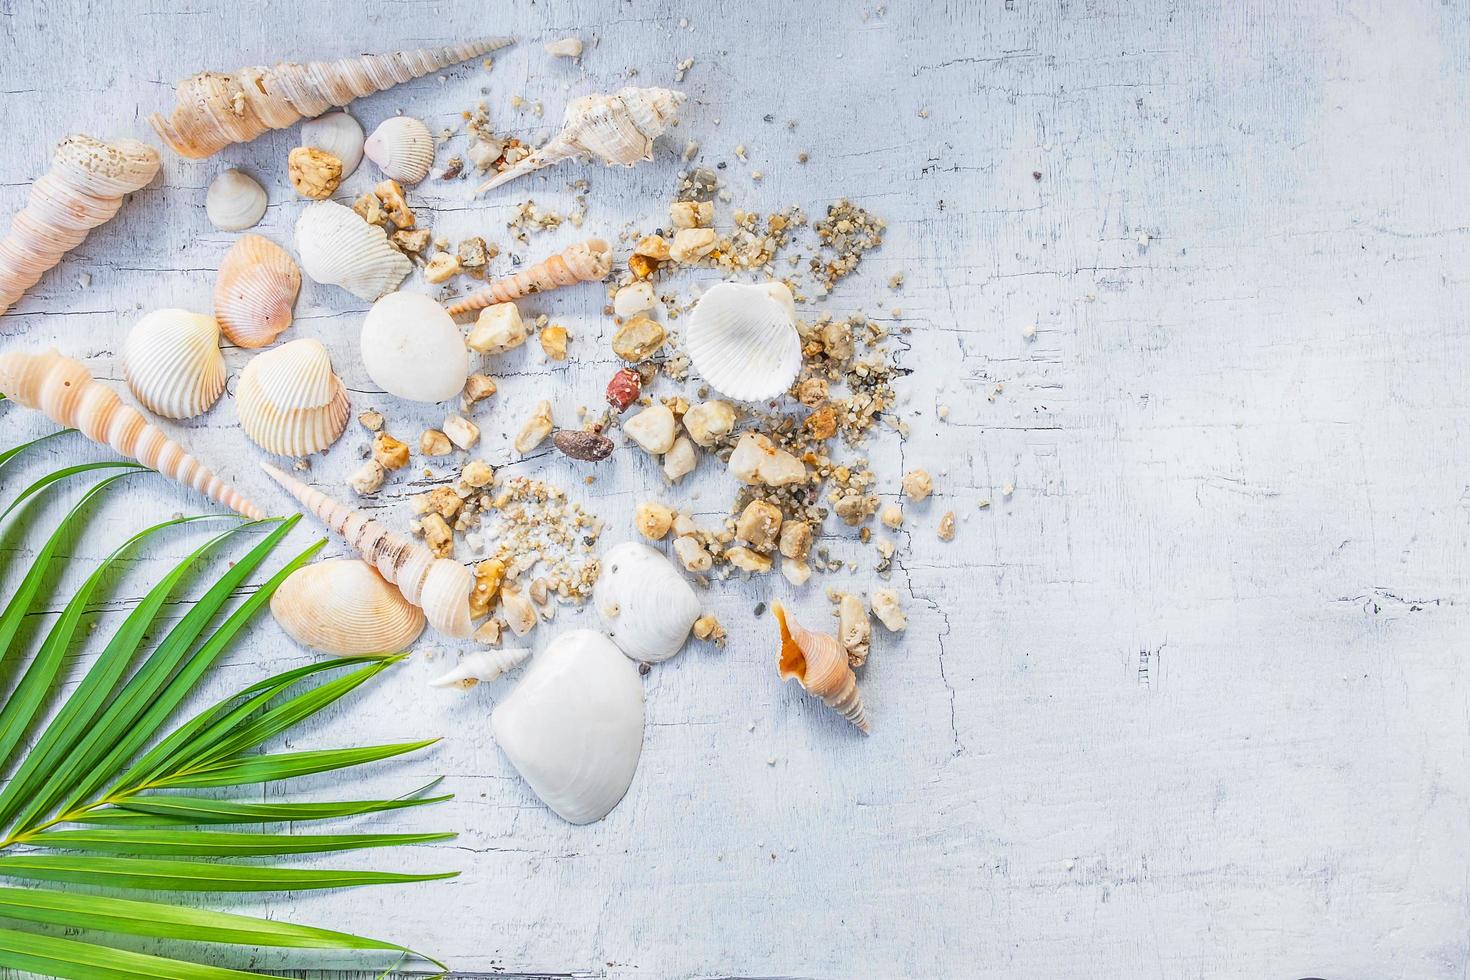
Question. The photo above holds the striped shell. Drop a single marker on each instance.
(343, 606)
(338, 248)
(743, 340)
(173, 364)
(289, 401)
(403, 148)
(256, 288)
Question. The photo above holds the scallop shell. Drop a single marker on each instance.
(743, 340)
(343, 606)
(647, 605)
(403, 148)
(172, 363)
(818, 662)
(338, 248)
(573, 726)
(480, 667)
(413, 349)
(235, 201)
(337, 133)
(256, 288)
(289, 401)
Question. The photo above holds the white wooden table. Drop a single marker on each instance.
(1191, 702)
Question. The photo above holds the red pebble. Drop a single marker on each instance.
(624, 389)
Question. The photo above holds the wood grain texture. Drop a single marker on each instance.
(1192, 701)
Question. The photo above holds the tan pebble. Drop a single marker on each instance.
(947, 527)
(499, 328)
(680, 461)
(653, 520)
(477, 388)
(389, 452)
(709, 420)
(638, 339)
(368, 478)
(461, 431)
(652, 429)
(691, 214)
(441, 267)
(692, 555)
(314, 173)
(891, 516)
(438, 536)
(796, 539)
(747, 560)
(759, 525)
(554, 342)
(653, 247)
(476, 474)
(371, 420)
(692, 244)
(917, 484)
(435, 443)
(536, 429)
(889, 610)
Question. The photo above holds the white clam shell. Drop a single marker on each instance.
(255, 290)
(343, 606)
(173, 364)
(647, 605)
(573, 726)
(481, 667)
(743, 340)
(235, 201)
(413, 349)
(289, 401)
(338, 248)
(337, 133)
(403, 148)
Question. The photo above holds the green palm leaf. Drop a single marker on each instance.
(195, 811)
(218, 843)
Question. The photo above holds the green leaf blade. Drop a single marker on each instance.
(215, 843)
(245, 770)
(154, 874)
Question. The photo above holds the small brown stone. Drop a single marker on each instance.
(589, 447)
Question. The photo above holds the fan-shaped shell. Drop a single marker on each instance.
(256, 288)
(413, 349)
(289, 401)
(235, 201)
(337, 133)
(403, 148)
(573, 726)
(647, 605)
(343, 606)
(338, 248)
(173, 364)
(743, 340)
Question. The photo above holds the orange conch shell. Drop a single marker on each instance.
(583, 262)
(819, 662)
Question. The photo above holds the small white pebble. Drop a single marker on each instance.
(1008, 489)
(771, 761)
(942, 411)
(1029, 332)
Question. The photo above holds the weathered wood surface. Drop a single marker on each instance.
(1192, 701)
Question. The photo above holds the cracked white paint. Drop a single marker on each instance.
(1191, 701)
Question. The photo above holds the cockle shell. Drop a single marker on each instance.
(573, 726)
(583, 262)
(743, 340)
(216, 109)
(289, 401)
(403, 148)
(338, 134)
(172, 363)
(338, 248)
(818, 662)
(412, 349)
(647, 605)
(481, 666)
(344, 607)
(83, 189)
(66, 393)
(617, 128)
(439, 586)
(235, 201)
(255, 290)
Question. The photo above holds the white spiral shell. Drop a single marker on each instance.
(173, 364)
(338, 248)
(403, 148)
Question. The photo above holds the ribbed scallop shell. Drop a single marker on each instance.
(343, 606)
(337, 133)
(235, 201)
(743, 340)
(403, 148)
(647, 605)
(256, 288)
(173, 364)
(289, 401)
(338, 248)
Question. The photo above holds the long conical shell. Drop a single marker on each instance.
(83, 189)
(215, 110)
(289, 401)
(438, 586)
(256, 288)
(480, 667)
(62, 389)
(402, 147)
(617, 128)
(819, 663)
(343, 606)
(743, 340)
(173, 364)
(338, 248)
(583, 262)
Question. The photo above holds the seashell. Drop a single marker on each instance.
(338, 248)
(83, 189)
(412, 349)
(743, 340)
(617, 128)
(216, 109)
(403, 148)
(482, 666)
(62, 389)
(583, 262)
(172, 363)
(235, 201)
(647, 605)
(255, 290)
(439, 586)
(573, 726)
(344, 607)
(337, 133)
(818, 661)
(289, 401)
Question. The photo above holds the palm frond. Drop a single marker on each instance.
(94, 798)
